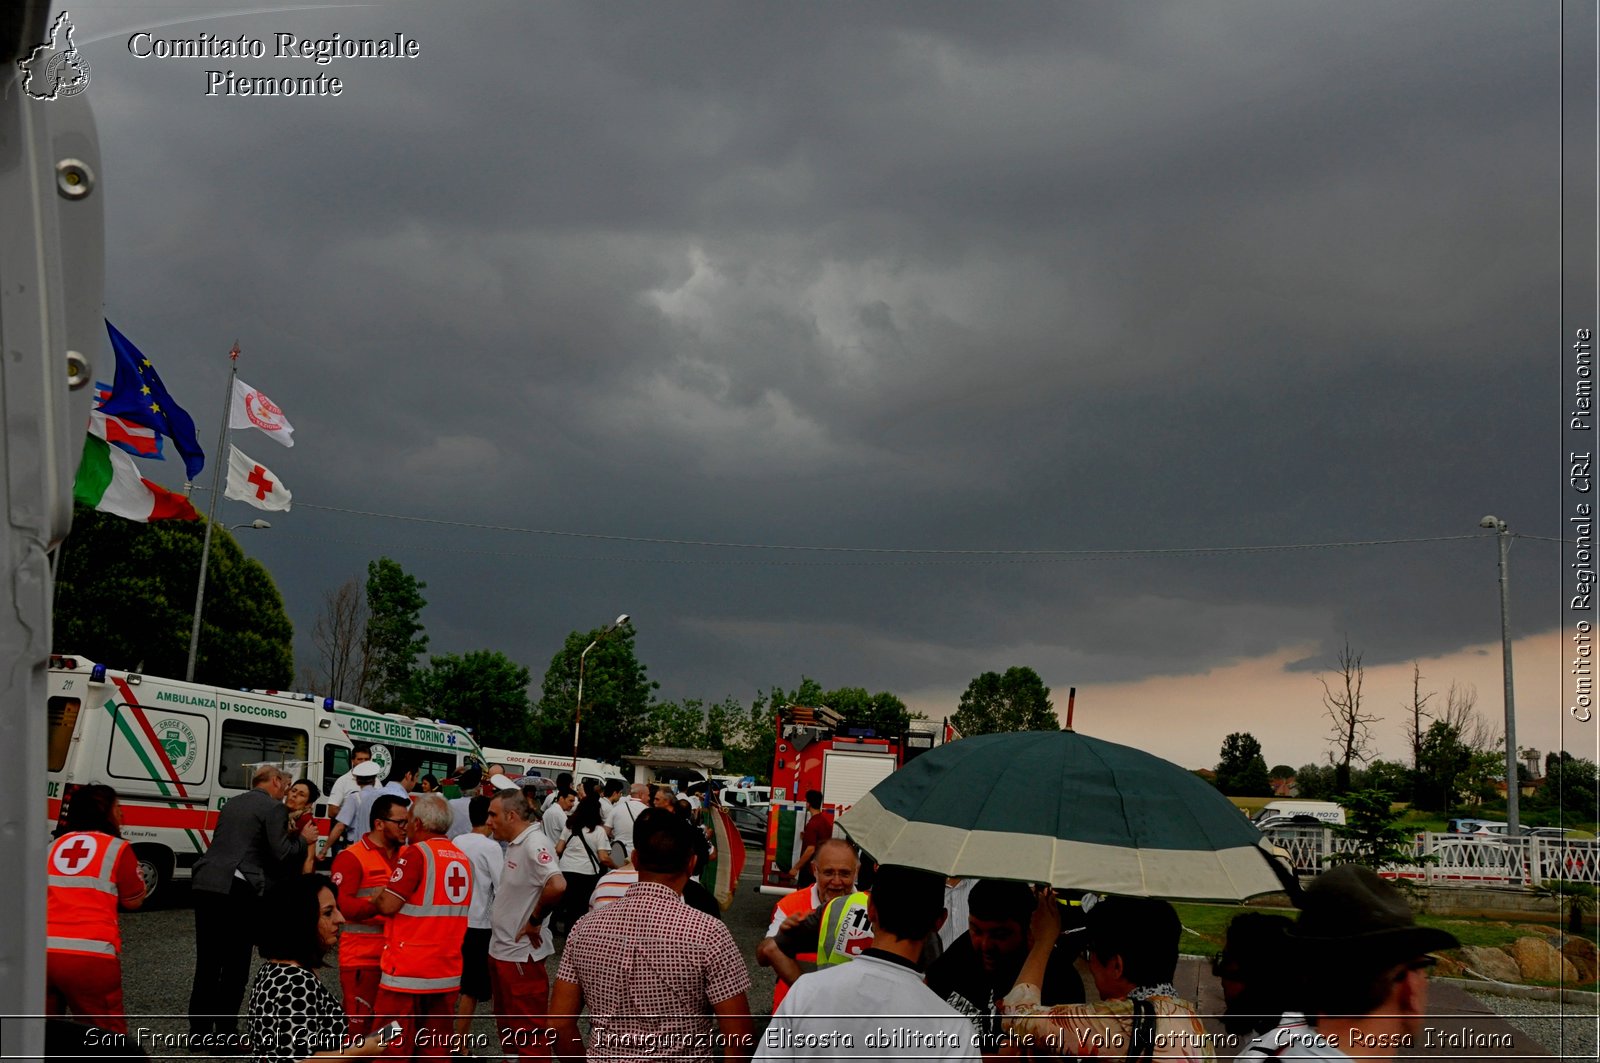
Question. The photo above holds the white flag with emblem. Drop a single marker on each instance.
(252, 482)
(252, 409)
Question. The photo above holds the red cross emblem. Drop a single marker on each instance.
(71, 859)
(264, 486)
(456, 882)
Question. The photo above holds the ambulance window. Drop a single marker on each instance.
(63, 720)
(158, 745)
(247, 745)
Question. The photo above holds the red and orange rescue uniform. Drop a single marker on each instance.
(421, 962)
(801, 902)
(90, 874)
(360, 873)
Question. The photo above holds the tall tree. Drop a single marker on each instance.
(395, 638)
(616, 697)
(1015, 701)
(681, 724)
(883, 712)
(340, 636)
(125, 598)
(1415, 728)
(482, 690)
(1351, 732)
(1242, 771)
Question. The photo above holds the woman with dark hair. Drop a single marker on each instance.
(428, 784)
(585, 853)
(299, 801)
(93, 872)
(293, 1016)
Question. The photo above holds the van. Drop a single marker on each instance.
(175, 753)
(518, 763)
(1280, 813)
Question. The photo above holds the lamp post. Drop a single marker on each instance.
(200, 593)
(577, 715)
(1513, 789)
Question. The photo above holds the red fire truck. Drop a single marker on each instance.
(818, 749)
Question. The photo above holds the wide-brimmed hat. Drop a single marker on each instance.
(1349, 912)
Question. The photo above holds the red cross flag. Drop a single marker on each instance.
(250, 481)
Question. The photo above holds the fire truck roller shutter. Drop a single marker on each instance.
(847, 776)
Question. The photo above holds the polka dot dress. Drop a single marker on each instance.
(292, 1015)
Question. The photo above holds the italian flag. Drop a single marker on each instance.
(109, 481)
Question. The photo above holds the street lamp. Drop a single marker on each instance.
(1513, 789)
(200, 594)
(577, 716)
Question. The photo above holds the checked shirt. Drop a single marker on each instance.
(650, 968)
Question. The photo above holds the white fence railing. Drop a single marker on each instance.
(1460, 859)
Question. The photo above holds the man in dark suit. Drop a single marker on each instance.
(251, 847)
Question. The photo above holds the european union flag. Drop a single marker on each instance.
(138, 396)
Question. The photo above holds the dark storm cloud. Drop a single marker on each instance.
(1057, 276)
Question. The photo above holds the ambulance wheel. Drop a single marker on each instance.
(155, 867)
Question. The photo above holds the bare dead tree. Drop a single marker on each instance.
(1419, 712)
(1351, 731)
(340, 636)
(1461, 713)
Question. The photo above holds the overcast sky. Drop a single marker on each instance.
(1054, 277)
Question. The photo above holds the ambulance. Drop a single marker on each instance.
(518, 764)
(176, 752)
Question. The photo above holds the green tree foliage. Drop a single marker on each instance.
(617, 694)
(483, 690)
(1015, 701)
(1441, 762)
(750, 736)
(883, 711)
(679, 724)
(125, 598)
(1570, 787)
(1316, 782)
(1242, 771)
(1374, 827)
(394, 638)
(1390, 776)
(1281, 771)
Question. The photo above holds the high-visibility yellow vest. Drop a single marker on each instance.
(846, 931)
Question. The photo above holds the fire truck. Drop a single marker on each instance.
(817, 749)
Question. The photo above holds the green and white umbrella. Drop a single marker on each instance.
(1063, 808)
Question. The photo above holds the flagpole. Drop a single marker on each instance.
(217, 461)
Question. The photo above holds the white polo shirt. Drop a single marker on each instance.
(530, 863)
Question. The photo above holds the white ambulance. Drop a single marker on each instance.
(549, 766)
(176, 752)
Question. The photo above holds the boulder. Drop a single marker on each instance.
(1539, 961)
(1491, 963)
(1581, 952)
(1449, 967)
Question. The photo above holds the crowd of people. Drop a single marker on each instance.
(438, 905)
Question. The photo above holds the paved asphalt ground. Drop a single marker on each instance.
(158, 964)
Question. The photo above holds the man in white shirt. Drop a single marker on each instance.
(876, 1005)
(346, 784)
(530, 888)
(461, 807)
(625, 812)
(555, 815)
(563, 782)
(352, 818)
(487, 863)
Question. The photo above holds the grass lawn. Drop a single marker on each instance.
(1209, 923)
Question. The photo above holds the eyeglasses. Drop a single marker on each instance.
(398, 822)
